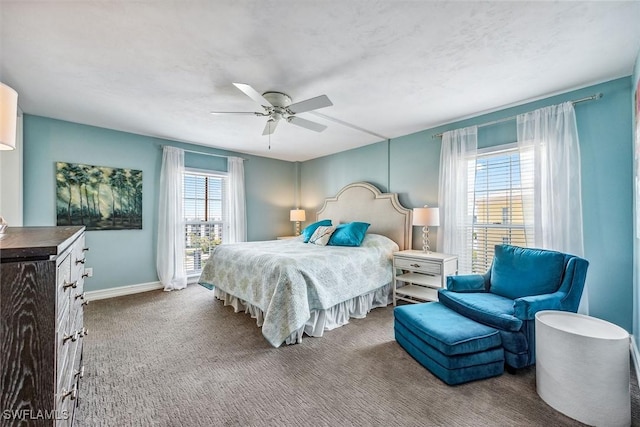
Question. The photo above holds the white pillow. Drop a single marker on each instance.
(322, 235)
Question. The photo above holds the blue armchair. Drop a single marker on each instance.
(520, 282)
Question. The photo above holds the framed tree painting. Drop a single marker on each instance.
(98, 197)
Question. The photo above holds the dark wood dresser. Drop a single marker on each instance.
(41, 324)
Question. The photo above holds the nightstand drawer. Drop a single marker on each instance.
(422, 266)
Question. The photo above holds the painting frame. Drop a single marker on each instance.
(98, 197)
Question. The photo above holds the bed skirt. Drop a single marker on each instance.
(321, 319)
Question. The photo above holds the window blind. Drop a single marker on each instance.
(500, 189)
(204, 216)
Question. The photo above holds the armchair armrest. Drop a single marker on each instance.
(467, 283)
(525, 308)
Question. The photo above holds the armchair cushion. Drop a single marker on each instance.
(466, 283)
(484, 307)
(517, 272)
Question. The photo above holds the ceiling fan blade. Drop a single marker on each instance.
(311, 104)
(306, 124)
(236, 112)
(270, 127)
(252, 93)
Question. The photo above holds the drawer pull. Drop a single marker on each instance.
(85, 302)
(415, 265)
(79, 373)
(71, 394)
(81, 296)
(85, 275)
(80, 261)
(85, 249)
(66, 285)
(84, 332)
(73, 337)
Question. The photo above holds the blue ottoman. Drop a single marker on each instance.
(454, 348)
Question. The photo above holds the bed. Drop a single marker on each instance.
(294, 288)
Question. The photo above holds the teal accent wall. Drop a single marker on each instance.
(127, 257)
(322, 177)
(409, 165)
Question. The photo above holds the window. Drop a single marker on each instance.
(204, 216)
(496, 193)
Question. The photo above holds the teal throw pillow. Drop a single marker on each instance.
(350, 234)
(518, 272)
(310, 229)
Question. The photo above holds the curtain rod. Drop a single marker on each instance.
(205, 154)
(506, 119)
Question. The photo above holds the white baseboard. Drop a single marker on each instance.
(122, 290)
(635, 356)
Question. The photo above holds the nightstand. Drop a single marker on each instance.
(285, 237)
(422, 274)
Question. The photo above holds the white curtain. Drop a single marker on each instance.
(236, 209)
(457, 166)
(171, 246)
(548, 137)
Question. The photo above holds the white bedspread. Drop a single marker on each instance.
(287, 279)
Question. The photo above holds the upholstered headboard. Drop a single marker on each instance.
(363, 202)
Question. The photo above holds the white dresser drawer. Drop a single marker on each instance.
(422, 266)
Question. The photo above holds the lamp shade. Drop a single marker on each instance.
(426, 217)
(8, 117)
(297, 215)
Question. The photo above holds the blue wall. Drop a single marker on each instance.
(320, 178)
(126, 257)
(409, 165)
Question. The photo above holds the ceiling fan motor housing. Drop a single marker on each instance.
(277, 99)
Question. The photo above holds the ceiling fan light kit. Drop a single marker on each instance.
(277, 106)
(277, 99)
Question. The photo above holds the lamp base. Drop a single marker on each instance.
(297, 231)
(425, 240)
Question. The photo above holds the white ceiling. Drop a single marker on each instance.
(392, 67)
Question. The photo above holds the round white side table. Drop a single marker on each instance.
(582, 367)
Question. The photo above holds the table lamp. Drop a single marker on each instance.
(297, 215)
(8, 120)
(8, 117)
(426, 217)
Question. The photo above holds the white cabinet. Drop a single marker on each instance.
(419, 274)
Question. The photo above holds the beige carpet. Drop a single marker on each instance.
(183, 359)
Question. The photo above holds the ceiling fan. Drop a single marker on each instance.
(277, 106)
